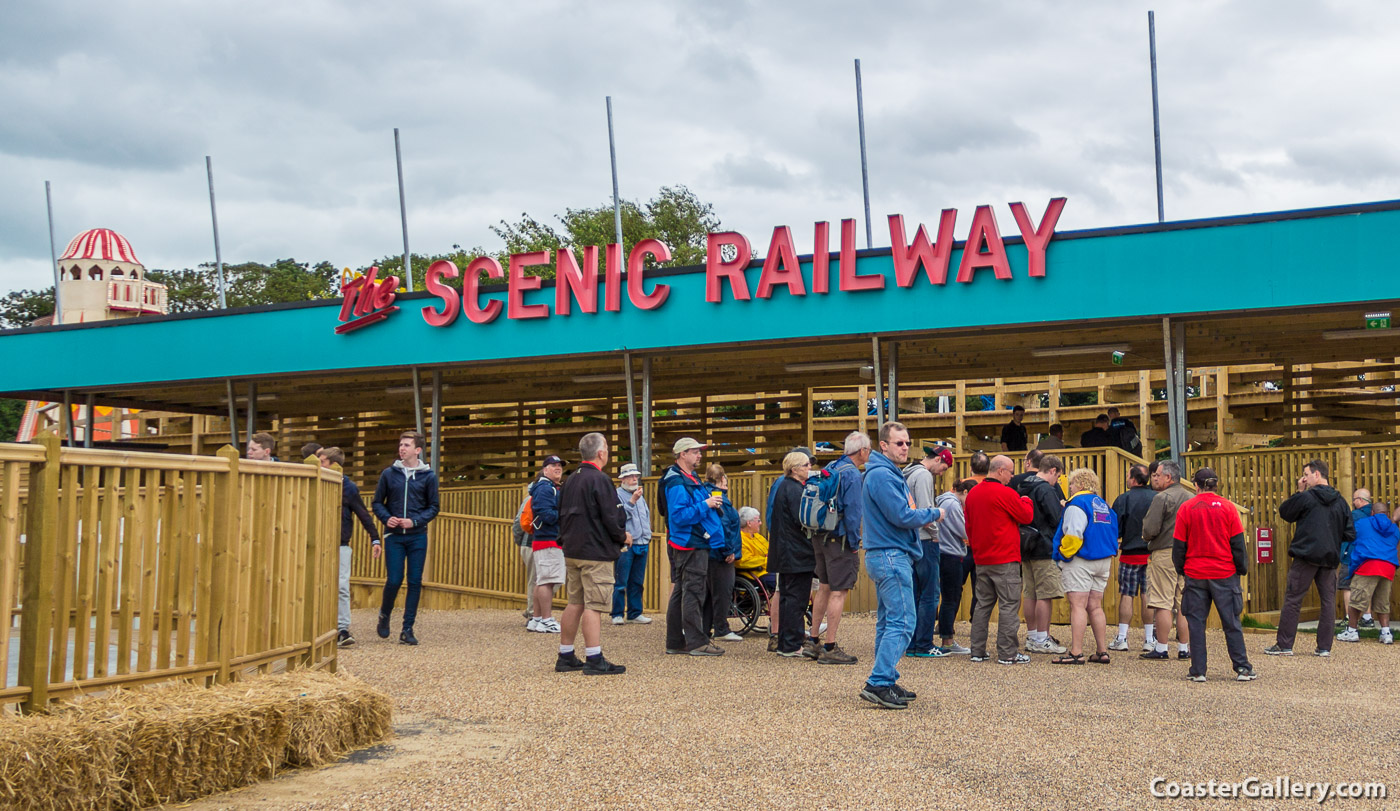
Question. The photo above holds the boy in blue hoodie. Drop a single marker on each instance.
(405, 500)
(1373, 562)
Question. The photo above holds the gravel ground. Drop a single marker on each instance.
(752, 729)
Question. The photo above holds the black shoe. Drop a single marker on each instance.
(1155, 654)
(907, 695)
(407, 637)
(602, 667)
(568, 664)
(383, 627)
(884, 697)
(345, 640)
(1181, 654)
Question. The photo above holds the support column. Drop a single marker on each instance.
(1184, 430)
(862, 410)
(65, 420)
(893, 410)
(631, 409)
(645, 465)
(232, 416)
(252, 408)
(1173, 398)
(1145, 415)
(1224, 441)
(417, 401)
(90, 408)
(437, 422)
(879, 391)
(960, 421)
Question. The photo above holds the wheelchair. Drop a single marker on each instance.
(750, 602)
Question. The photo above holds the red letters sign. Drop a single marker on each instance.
(576, 285)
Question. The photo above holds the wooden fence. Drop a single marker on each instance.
(140, 567)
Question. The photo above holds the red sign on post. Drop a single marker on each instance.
(1264, 544)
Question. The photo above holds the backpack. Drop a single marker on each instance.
(524, 523)
(1127, 438)
(526, 516)
(818, 511)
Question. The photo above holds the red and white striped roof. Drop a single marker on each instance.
(103, 244)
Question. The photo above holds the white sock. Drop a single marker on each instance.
(1161, 646)
(592, 650)
(565, 650)
(1151, 633)
(1037, 636)
(1183, 647)
(1122, 630)
(1366, 616)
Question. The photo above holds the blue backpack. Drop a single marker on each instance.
(819, 511)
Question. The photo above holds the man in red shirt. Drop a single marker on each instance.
(1208, 548)
(994, 515)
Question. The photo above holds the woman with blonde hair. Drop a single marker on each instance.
(1084, 547)
(790, 554)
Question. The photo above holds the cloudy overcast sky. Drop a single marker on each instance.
(1265, 106)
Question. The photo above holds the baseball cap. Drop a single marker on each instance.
(941, 453)
(629, 469)
(1203, 475)
(552, 460)
(811, 457)
(684, 444)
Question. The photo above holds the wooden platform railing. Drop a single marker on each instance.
(144, 567)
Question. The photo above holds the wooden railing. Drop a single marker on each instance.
(143, 567)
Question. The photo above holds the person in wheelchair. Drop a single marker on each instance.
(753, 565)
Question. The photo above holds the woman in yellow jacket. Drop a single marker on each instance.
(753, 563)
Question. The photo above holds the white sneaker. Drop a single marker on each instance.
(1119, 643)
(534, 626)
(957, 650)
(641, 619)
(1349, 635)
(1149, 645)
(1387, 636)
(730, 637)
(618, 620)
(550, 625)
(1046, 646)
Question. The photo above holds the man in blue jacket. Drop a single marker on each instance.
(692, 530)
(405, 500)
(891, 547)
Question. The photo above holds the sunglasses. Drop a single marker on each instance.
(906, 443)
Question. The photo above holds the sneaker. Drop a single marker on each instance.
(406, 637)
(1047, 645)
(1349, 635)
(675, 651)
(1245, 674)
(568, 664)
(1020, 659)
(618, 621)
(383, 627)
(791, 654)
(527, 614)
(1275, 650)
(1119, 643)
(907, 695)
(1323, 653)
(976, 658)
(822, 630)
(811, 649)
(1183, 655)
(885, 697)
(931, 653)
(1056, 641)
(1387, 636)
(533, 626)
(550, 625)
(835, 656)
(707, 650)
(957, 650)
(345, 640)
(730, 637)
(1368, 622)
(1149, 645)
(640, 619)
(602, 667)
(1199, 677)
(1155, 654)
(773, 643)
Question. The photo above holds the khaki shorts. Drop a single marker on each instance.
(1163, 583)
(1079, 574)
(549, 566)
(590, 583)
(1370, 592)
(1040, 580)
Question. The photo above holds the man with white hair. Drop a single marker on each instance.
(630, 571)
(838, 554)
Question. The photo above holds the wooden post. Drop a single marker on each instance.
(1145, 431)
(1346, 471)
(862, 406)
(41, 547)
(227, 529)
(1054, 404)
(808, 412)
(313, 564)
(960, 420)
(1223, 440)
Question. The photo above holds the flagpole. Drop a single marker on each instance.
(864, 169)
(403, 214)
(612, 153)
(214, 216)
(1156, 115)
(53, 256)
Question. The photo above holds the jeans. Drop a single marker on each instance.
(398, 550)
(720, 584)
(893, 574)
(343, 612)
(998, 584)
(927, 584)
(1196, 599)
(629, 572)
(1301, 576)
(794, 593)
(685, 628)
(950, 572)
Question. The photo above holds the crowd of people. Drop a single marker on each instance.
(1021, 541)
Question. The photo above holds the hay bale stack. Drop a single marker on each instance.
(178, 742)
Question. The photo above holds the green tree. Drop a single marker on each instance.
(20, 308)
(189, 290)
(10, 413)
(252, 283)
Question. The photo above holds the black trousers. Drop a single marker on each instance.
(794, 593)
(719, 594)
(685, 626)
(1196, 599)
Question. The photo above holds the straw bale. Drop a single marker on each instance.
(59, 763)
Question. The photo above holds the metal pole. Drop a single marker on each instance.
(1183, 432)
(53, 256)
(617, 202)
(65, 424)
(87, 433)
(646, 417)
(232, 416)
(1156, 115)
(437, 421)
(893, 409)
(631, 407)
(864, 170)
(417, 402)
(252, 409)
(879, 394)
(214, 216)
(403, 216)
(1172, 424)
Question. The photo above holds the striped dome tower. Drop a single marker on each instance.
(102, 279)
(99, 253)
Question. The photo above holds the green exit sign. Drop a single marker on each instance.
(1377, 320)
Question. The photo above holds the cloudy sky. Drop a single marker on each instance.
(1265, 106)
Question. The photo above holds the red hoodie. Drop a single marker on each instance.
(994, 514)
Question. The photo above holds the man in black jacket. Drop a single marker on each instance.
(1323, 524)
(592, 533)
(351, 507)
(1133, 555)
(405, 500)
(1040, 577)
